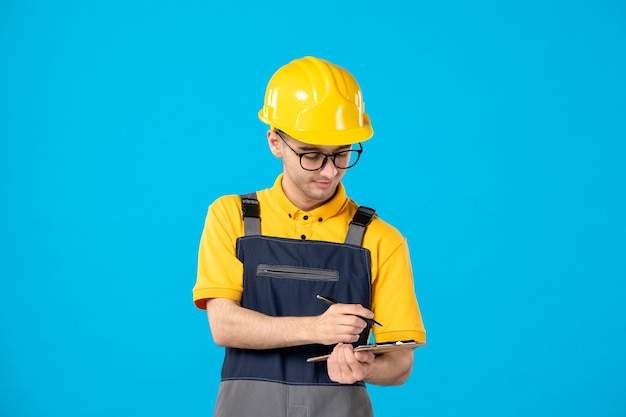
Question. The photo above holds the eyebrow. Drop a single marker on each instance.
(308, 148)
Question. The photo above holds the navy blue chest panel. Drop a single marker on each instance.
(282, 278)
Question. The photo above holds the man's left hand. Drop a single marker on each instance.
(346, 366)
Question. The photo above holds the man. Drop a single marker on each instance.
(265, 257)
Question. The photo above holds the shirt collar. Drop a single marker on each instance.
(329, 209)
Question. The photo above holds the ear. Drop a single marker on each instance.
(274, 143)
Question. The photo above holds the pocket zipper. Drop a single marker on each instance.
(295, 272)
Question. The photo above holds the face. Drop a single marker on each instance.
(306, 189)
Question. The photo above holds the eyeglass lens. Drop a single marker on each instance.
(312, 161)
(316, 160)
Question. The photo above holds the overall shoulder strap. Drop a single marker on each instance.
(251, 214)
(362, 218)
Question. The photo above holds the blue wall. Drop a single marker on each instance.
(499, 153)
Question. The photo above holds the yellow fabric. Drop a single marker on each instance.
(220, 272)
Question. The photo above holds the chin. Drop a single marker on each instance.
(323, 195)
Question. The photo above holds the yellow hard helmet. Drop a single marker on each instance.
(316, 102)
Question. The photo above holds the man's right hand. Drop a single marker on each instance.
(340, 323)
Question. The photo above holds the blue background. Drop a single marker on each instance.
(499, 153)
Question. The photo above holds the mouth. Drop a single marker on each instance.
(324, 184)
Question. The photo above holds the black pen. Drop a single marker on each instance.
(331, 301)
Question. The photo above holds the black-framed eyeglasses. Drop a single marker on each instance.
(314, 161)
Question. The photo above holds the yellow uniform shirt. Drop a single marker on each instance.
(220, 273)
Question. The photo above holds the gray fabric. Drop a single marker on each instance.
(251, 225)
(355, 234)
(244, 398)
(356, 230)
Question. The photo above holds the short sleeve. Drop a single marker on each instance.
(393, 294)
(220, 273)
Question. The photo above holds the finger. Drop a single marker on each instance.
(353, 309)
(364, 357)
(347, 327)
(338, 370)
(351, 369)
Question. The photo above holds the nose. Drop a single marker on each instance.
(329, 169)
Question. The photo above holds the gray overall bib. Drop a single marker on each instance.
(282, 278)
